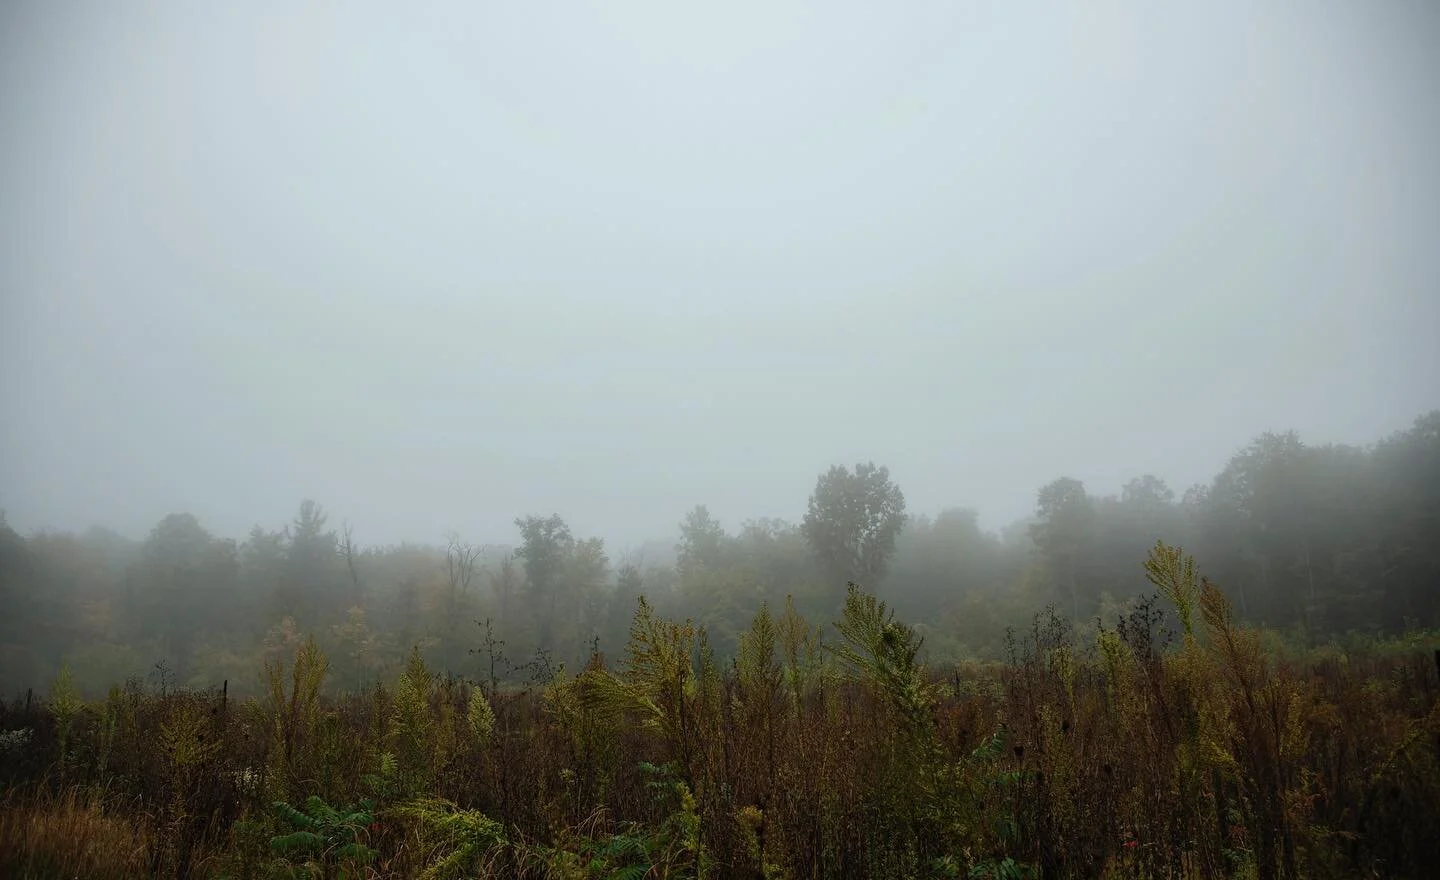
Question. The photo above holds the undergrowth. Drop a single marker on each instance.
(1170, 742)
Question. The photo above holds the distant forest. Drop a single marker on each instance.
(1311, 542)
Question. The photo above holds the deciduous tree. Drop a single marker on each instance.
(853, 520)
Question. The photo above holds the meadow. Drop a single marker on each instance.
(1209, 751)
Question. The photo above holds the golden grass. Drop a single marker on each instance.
(69, 836)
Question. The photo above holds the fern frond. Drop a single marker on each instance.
(294, 816)
(298, 841)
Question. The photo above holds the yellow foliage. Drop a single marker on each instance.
(481, 716)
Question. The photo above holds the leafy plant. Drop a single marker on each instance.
(458, 840)
(324, 836)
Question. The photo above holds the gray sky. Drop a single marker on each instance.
(440, 265)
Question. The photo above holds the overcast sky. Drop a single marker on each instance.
(439, 265)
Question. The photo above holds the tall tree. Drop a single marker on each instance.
(462, 563)
(939, 561)
(173, 591)
(1148, 494)
(629, 587)
(1407, 483)
(313, 583)
(26, 607)
(1126, 528)
(505, 585)
(1064, 530)
(853, 520)
(586, 569)
(1261, 499)
(545, 547)
(701, 540)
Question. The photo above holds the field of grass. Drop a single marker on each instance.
(814, 753)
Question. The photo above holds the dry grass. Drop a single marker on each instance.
(68, 836)
(1117, 756)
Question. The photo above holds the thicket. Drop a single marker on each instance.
(1127, 751)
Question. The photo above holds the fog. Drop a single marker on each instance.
(443, 265)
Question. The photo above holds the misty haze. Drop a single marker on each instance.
(733, 440)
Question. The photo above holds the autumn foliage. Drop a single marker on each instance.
(814, 752)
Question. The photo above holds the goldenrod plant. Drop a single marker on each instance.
(1172, 740)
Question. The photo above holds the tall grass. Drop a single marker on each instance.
(1134, 752)
(69, 834)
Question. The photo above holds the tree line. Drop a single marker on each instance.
(1310, 541)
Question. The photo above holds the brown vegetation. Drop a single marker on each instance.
(1142, 754)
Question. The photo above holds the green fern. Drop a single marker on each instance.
(324, 833)
(628, 854)
(1004, 869)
